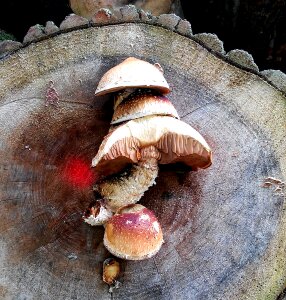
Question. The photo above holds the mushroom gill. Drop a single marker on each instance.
(145, 142)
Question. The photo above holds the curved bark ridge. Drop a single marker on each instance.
(130, 13)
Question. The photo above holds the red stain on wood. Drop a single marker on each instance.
(77, 172)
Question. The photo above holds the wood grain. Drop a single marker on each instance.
(224, 232)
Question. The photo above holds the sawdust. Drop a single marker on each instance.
(277, 184)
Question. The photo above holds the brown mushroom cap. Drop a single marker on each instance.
(132, 72)
(143, 103)
(133, 233)
(175, 140)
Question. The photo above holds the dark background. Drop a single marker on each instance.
(257, 26)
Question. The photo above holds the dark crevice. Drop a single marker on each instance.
(282, 296)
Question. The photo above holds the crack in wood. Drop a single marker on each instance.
(199, 108)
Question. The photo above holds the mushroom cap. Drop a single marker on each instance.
(143, 103)
(132, 72)
(133, 233)
(175, 140)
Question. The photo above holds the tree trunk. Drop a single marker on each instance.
(224, 227)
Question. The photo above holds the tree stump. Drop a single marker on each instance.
(224, 226)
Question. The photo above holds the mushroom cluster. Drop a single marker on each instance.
(145, 131)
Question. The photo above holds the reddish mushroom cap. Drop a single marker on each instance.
(143, 103)
(133, 233)
(132, 72)
(175, 140)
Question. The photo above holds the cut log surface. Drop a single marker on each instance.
(224, 227)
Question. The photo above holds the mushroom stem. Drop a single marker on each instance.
(129, 188)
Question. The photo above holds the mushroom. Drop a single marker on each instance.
(151, 135)
(122, 77)
(145, 132)
(97, 214)
(143, 102)
(133, 233)
(145, 142)
(111, 271)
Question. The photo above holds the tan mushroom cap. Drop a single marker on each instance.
(133, 233)
(175, 140)
(132, 72)
(141, 104)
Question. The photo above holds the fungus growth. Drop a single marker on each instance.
(145, 132)
(111, 271)
(133, 233)
(145, 143)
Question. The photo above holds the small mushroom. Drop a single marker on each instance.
(111, 271)
(143, 103)
(133, 233)
(97, 214)
(145, 143)
(122, 77)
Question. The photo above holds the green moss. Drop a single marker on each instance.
(6, 36)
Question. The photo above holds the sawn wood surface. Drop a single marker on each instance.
(224, 229)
